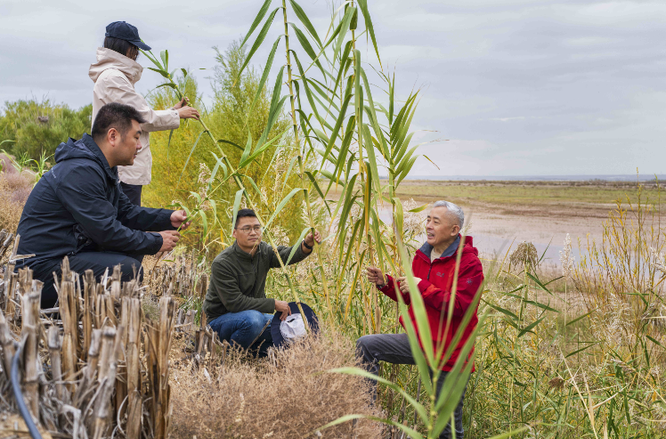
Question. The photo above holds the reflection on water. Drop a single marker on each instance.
(490, 245)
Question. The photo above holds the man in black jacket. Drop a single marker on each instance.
(236, 304)
(77, 209)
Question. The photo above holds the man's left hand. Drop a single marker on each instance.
(310, 240)
(404, 285)
(178, 218)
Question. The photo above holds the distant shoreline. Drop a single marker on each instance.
(615, 177)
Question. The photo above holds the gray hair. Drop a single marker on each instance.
(454, 209)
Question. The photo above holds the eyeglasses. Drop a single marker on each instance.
(248, 229)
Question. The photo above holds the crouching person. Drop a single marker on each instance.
(236, 304)
(78, 210)
(434, 266)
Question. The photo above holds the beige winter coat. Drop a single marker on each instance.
(114, 76)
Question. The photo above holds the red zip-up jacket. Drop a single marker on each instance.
(435, 287)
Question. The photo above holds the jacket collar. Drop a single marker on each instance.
(242, 254)
(426, 249)
(111, 173)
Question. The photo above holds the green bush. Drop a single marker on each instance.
(37, 128)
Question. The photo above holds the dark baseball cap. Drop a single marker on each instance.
(125, 31)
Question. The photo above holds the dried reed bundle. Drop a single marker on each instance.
(105, 370)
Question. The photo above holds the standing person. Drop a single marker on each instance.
(114, 74)
(236, 304)
(434, 266)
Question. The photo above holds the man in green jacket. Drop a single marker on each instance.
(236, 304)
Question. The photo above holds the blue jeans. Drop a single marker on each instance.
(245, 329)
(394, 348)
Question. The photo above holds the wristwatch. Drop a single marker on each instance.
(309, 247)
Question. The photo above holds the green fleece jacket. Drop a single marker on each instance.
(238, 280)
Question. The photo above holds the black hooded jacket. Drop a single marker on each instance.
(78, 206)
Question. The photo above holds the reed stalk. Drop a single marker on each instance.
(93, 354)
(106, 379)
(30, 333)
(7, 344)
(55, 345)
(10, 284)
(89, 295)
(301, 161)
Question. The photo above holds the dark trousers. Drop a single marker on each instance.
(133, 192)
(394, 348)
(96, 261)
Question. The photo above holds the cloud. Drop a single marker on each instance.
(518, 86)
(507, 119)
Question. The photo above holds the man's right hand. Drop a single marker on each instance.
(283, 307)
(376, 276)
(169, 240)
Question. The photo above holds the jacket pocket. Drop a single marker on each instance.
(82, 240)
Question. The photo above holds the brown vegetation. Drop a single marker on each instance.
(289, 395)
(14, 190)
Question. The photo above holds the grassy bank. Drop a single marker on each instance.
(525, 193)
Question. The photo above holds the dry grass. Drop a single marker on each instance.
(14, 190)
(288, 395)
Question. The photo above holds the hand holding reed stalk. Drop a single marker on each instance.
(184, 102)
(169, 240)
(178, 219)
(188, 113)
(184, 109)
(375, 276)
(404, 285)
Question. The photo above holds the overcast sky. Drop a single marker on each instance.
(519, 87)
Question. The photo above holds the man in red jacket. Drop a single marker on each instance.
(434, 267)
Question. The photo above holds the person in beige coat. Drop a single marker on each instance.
(114, 74)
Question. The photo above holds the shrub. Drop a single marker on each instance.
(183, 159)
(37, 128)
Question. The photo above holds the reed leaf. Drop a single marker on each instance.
(266, 72)
(302, 16)
(260, 150)
(363, 4)
(248, 147)
(236, 208)
(344, 26)
(280, 206)
(409, 431)
(339, 122)
(260, 38)
(260, 16)
(423, 414)
(305, 44)
(190, 155)
(298, 244)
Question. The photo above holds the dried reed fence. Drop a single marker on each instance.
(98, 365)
(187, 280)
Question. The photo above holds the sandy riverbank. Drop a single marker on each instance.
(502, 213)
